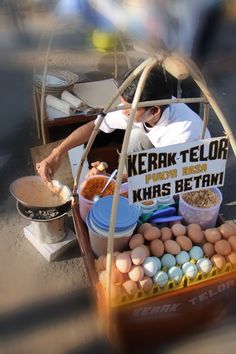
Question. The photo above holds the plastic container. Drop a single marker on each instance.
(148, 206)
(96, 183)
(98, 222)
(84, 206)
(98, 240)
(205, 217)
(166, 200)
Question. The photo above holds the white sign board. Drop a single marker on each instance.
(176, 169)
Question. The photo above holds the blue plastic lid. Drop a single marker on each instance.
(127, 215)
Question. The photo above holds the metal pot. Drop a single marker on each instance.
(47, 230)
(32, 192)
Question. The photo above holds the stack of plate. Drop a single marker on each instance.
(56, 81)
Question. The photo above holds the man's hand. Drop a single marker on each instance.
(47, 167)
(98, 168)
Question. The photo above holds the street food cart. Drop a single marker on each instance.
(175, 310)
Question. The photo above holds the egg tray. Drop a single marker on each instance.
(215, 274)
(172, 286)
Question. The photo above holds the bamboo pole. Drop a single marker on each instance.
(200, 81)
(205, 119)
(132, 76)
(124, 50)
(159, 103)
(116, 64)
(45, 70)
(110, 244)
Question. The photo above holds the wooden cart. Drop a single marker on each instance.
(174, 310)
(157, 317)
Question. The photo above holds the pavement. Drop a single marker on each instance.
(46, 307)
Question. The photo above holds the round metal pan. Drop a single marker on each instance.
(32, 192)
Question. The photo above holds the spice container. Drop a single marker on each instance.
(207, 214)
(91, 187)
(148, 206)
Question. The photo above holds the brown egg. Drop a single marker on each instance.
(152, 233)
(212, 235)
(194, 227)
(232, 241)
(136, 273)
(138, 255)
(195, 233)
(172, 247)
(146, 284)
(144, 227)
(130, 287)
(232, 258)
(218, 261)
(203, 240)
(209, 249)
(178, 230)
(146, 248)
(157, 248)
(136, 240)
(223, 247)
(123, 262)
(100, 263)
(227, 230)
(102, 278)
(116, 292)
(116, 277)
(113, 260)
(166, 234)
(171, 223)
(184, 242)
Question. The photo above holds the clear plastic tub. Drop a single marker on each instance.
(96, 183)
(205, 217)
(84, 206)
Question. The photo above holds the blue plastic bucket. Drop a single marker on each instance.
(98, 221)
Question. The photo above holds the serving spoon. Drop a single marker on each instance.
(97, 197)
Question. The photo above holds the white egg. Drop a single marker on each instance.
(151, 265)
(182, 257)
(204, 265)
(168, 260)
(160, 278)
(176, 274)
(189, 269)
(196, 253)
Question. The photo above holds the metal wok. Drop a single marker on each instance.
(32, 192)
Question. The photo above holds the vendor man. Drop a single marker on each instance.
(153, 126)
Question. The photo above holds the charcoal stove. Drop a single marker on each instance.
(48, 224)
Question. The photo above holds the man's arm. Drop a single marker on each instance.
(47, 167)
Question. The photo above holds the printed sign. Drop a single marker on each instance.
(176, 169)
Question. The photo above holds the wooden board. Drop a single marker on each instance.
(64, 173)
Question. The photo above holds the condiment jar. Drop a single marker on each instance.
(148, 206)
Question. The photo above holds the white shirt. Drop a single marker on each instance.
(178, 124)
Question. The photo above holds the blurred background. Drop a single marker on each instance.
(46, 307)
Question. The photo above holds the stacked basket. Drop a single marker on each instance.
(56, 82)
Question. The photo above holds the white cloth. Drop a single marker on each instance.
(178, 124)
